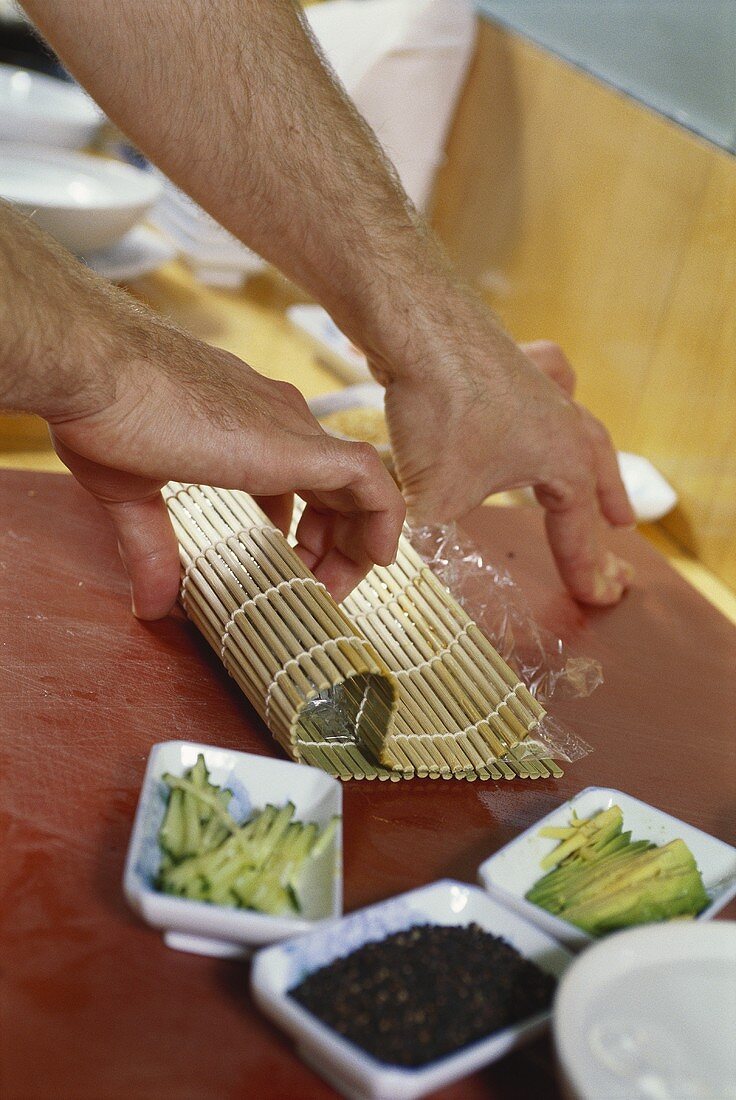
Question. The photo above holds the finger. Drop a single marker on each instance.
(379, 510)
(552, 361)
(612, 496)
(365, 508)
(333, 546)
(149, 551)
(337, 573)
(279, 509)
(592, 573)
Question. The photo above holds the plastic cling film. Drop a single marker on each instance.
(558, 741)
(493, 599)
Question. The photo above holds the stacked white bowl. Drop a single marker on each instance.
(44, 110)
(215, 256)
(87, 203)
(91, 205)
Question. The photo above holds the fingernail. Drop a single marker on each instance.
(607, 589)
(612, 578)
(627, 572)
(132, 606)
(617, 569)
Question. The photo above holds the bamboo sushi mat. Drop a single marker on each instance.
(395, 682)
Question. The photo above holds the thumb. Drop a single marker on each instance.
(149, 551)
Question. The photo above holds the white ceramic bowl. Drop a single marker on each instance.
(254, 780)
(351, 1070)
(86, 202)
(512, 871)
(651, 1013)
(46, 111)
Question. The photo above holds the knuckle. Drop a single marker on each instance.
(598, 432)
(549, 347)
(354, 455)
(365, 455)
(549, 352)
(578, 485)
(290, 392)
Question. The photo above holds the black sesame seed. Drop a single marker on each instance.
(421, 994)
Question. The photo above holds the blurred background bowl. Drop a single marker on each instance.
(649, 1013)
(86, 202)
(45, 110)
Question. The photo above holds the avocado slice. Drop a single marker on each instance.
(605, 824)
(602, 880)
(666, 896)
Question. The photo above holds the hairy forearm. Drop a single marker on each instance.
(230, 99)
(65, 334)
(39, 372)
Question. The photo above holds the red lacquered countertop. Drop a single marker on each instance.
(92, 1005)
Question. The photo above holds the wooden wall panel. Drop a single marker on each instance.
(588, 219)
(687, 417)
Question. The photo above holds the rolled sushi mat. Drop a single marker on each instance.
(396, 682)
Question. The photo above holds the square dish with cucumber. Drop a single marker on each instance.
(231, 850)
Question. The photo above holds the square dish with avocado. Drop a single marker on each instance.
(605, 860)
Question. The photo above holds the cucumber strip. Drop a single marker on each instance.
(207, 856)
(262, 822)
(192, 828)
(295, 901)
(223, 897)
(293, 856)
(199, 774)
(245, 884)
(269, 896)
(325, 838)
(277, 829)
(208, 865)
(288, 846)
(182, 881)
(238, 847)
(177, 783)
(228, 874)
(215, 831)
(197, 890)
(213, 835)
(171, 833)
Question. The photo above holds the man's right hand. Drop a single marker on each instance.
(133, 402)
(201, 415)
